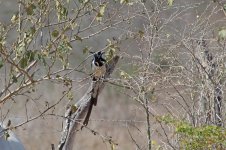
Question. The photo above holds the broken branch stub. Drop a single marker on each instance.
(75, 114)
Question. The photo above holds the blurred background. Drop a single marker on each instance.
(162, 69)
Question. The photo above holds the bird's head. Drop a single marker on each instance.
(98, 56)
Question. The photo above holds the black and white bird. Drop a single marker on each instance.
(98, 66)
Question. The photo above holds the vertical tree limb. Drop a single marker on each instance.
(218, 96)
(76, 113)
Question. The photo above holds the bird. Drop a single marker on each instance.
(98, 66)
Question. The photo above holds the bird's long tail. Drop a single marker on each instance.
(93, 102)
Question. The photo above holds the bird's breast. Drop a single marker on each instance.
(99, 71)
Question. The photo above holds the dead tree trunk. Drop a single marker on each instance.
(218, 95)
(75, 114)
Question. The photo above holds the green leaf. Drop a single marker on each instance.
(124, 1)
(32, 30)
(222, 34)
(73, 25)
(124, 75)
(224, 7)
(141, 33)
(14, 79)
(85, 50)
(30, 55)
(101, 12)
(74, 108)
(70, 95)
(30, 9)
(112, 146)
(43, 61)
(58, 76)
(69, 46)
(62, 11)
(110, 53)
(170, 2)
(23, 62)
(102, 9)
(78, 38)
(41, 57)
(83, 1)
(55, 33)
(14, 18)
(1, 64)
(6, 135)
